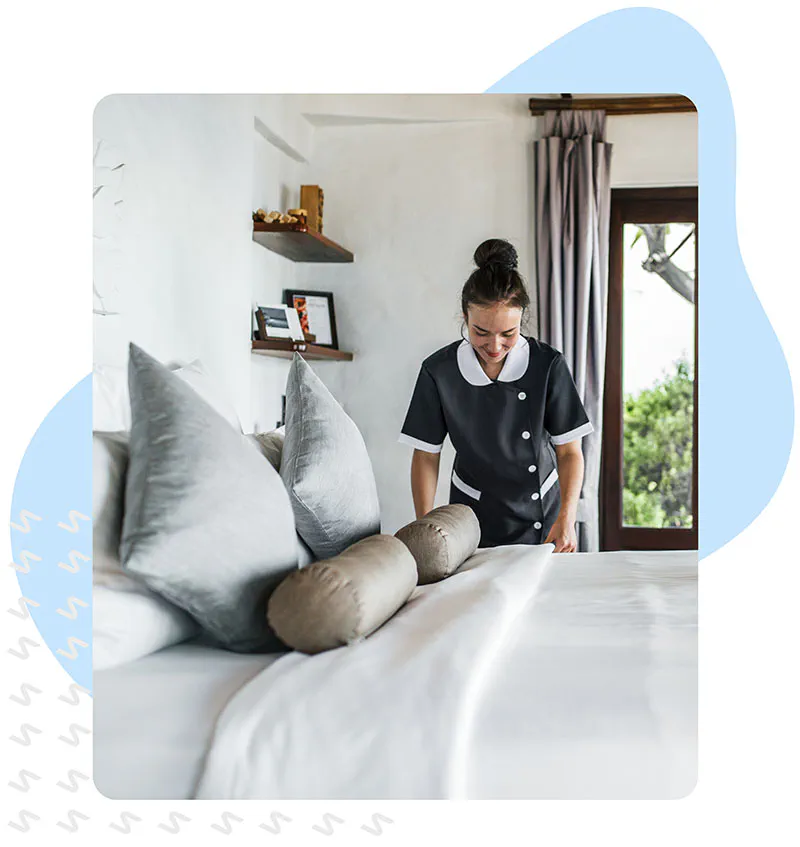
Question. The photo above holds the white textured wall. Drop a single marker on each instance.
(174, 255)
(412, 184)
(653, 150)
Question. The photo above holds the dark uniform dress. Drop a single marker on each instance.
(503, 432)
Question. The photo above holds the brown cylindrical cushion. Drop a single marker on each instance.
(441, 541)
(345, 598)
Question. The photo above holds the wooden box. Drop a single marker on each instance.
(311, 199)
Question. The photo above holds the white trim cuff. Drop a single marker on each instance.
(573, 434)
(417, 444)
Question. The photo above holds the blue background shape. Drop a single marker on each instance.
(743, 376)
(745, 403)
(54, 479)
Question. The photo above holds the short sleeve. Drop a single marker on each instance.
(424, 427)
(565, 419)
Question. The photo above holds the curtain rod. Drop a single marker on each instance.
(613, 105)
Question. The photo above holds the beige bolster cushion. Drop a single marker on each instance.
(345, 598)
(441, 541)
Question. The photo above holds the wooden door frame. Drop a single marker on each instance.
(639, 205)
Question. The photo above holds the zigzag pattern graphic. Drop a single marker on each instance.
(23, 652)
(227, 817)
(24, 817)
(24, 612)
(25, 778)
(75, 691)
(73, 603)
(73, 566)
(25, 730)
(24, 690)
(174, 818)
(72, 815)
(125, 817)
(328, 820)
(24, 516)
(74, 740)
(275, 829)
(26, 557)
(73, 780)
(376, 828)
(74, 517)
(72, 642)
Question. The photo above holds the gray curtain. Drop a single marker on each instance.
(572, 164)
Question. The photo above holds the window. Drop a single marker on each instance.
(649, 466)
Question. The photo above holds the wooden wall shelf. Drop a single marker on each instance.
(299, 243)
(287, 349)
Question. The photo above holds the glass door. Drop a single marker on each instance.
(650, 431)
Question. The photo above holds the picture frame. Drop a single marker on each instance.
(278, 322)
(315, 310)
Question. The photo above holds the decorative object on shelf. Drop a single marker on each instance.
(260, 216)
(316, 314)
(278, 322)
(300, 214)
(311, 199)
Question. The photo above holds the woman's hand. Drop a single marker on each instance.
(563, 535)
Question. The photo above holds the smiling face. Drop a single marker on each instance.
(493, 331)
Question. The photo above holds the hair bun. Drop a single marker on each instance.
(496, 252)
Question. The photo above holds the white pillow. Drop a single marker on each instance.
(130, 624)
(111, 400)
(128, 620)
(111, 408)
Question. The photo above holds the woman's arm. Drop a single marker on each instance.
(424, 479)
(569, 458)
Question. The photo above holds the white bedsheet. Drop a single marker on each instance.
(154, 718)
(595, 695)
(524, 675)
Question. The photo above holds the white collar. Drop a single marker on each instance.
(514, 366)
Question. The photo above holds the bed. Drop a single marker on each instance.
(525, 675)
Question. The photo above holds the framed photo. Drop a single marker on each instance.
(278, 322)
(316, 314)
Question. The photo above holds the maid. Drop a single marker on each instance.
(512, 411)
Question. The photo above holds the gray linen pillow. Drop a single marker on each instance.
(326, 468)
(441, 541)
(344, 599)
(208, 524)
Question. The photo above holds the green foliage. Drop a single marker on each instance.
(657, 445)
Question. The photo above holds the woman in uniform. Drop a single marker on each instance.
(513, 414)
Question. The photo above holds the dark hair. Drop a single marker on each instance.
(496, 278)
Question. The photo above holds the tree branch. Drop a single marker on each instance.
(659, 262)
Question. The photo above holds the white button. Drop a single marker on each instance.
(526, 435)
(531, 468)
(522, 395)
(535, 495)
(537, 525)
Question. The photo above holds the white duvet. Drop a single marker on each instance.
(525, 674)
